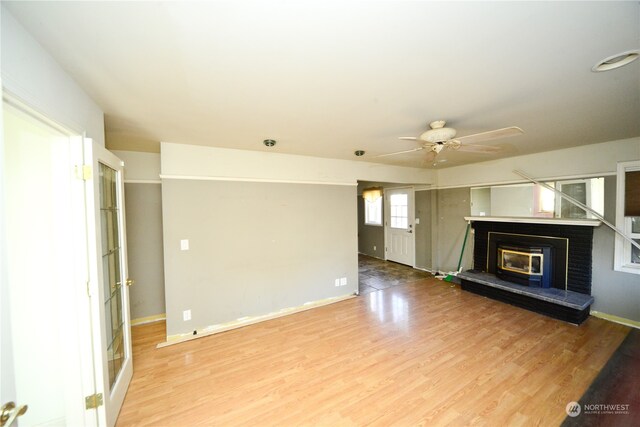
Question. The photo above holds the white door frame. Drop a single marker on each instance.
(75, 310)
(412, 216)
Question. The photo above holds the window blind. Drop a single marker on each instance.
(632, 193)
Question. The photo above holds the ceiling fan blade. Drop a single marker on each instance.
(491, 135)
(478, 148)
(401, 152)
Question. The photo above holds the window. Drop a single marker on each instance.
(373, 211)
(546, 199)
(399, 204)
(627, 256)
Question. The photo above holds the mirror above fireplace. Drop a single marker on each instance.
(532, 201)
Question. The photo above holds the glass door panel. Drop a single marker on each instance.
(111, 259)
(399, 210)
(111, 322)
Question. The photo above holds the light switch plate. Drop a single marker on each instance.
(184, 245)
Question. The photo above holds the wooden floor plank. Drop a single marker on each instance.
(420, 353)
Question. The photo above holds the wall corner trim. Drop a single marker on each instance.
(250, 179)
(142, 181)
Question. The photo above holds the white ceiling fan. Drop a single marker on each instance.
(440, 137)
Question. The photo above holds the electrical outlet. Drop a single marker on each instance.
(186, 315)
(374, 248)
(337, 282)
(343, 281)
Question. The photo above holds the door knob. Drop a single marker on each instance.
(130, 282)
(10, 413)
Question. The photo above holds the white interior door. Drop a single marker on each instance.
(109, 281)
(46, 339)
(399, 225)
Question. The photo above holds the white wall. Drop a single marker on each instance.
(193, 160)
(140, 167)
(32, 75)
(587, 160)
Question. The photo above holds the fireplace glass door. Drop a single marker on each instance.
(520, 262)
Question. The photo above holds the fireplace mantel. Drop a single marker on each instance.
(549, 221)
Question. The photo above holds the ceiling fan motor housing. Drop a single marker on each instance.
(438, 135)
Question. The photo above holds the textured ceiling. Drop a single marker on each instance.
(326, 78)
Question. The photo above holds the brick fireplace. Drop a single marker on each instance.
(541, 265)
(571, 246)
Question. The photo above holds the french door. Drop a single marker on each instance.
(109, 287)
(65, 341)
(399, 226)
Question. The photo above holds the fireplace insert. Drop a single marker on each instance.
(530, 266)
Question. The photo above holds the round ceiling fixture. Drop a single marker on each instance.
(269, 142)
(359, 153)
(616, 61)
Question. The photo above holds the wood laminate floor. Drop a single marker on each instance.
(419, 353)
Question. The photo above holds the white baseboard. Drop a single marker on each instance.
(148, 319)
(616, 319)
(246, 321)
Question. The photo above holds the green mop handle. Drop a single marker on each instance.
(466, 233)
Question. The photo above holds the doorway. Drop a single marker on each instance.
(54, 277)
(44, 292)
(399, 225)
